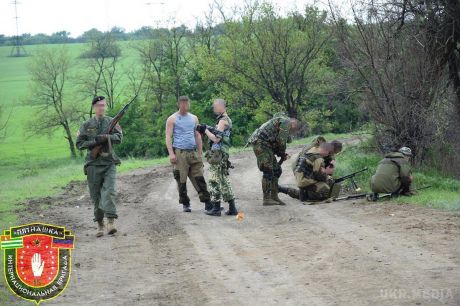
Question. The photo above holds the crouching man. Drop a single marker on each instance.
(393, 174)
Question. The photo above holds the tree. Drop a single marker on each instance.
(101, 75)
(49, 70)
(403, 91)
(4, 122)
(268, 57)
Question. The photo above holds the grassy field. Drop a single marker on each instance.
(19, 144)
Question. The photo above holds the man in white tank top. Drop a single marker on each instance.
(185, 148)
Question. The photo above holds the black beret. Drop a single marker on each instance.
(97, 99)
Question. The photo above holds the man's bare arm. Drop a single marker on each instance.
(221, 127)
(198, 140)
(169, 132)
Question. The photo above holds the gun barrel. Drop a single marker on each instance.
(341, 179)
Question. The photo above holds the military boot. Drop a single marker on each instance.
(283, 189)
(100, 228)
(215, 211)
(267, 190)
(232, 211)
(186, 207)
(274, 187)
(110, 226)
(208, 205)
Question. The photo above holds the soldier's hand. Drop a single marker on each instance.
(329, 171)
(201, 128)
(101, 138)
(172, 159)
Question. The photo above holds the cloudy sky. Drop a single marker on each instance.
(77, 16)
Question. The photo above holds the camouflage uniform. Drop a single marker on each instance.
(100, 172)
(268, 140)
(219, 183)
(312, 182)
(393, 174)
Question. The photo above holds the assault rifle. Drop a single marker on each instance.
(95, 151)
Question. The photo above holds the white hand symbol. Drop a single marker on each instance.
(37, 265)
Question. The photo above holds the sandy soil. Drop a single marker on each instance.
(340, 253)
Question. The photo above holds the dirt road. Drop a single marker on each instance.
(342, 253)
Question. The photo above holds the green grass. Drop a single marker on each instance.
(19, 145)
(444, 193)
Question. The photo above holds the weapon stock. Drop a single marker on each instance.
(97, 149)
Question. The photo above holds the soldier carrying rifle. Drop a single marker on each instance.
(97, 135)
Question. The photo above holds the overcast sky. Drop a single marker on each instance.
(77, 16)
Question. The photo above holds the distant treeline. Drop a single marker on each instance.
(118, 33)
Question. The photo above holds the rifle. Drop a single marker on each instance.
(395, 194)
(371, 197)
(349, 197)
(95, 151)
(352, 177)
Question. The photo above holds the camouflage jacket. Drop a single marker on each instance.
(310, 165)
(86, 140)
(275, 133)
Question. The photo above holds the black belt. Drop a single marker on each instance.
(184, 150)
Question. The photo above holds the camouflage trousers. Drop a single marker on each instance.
(266, 160)
(219, 183)
(316, 192)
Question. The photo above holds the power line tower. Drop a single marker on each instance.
(18, 48)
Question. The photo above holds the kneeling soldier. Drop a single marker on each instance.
(100, 171)
(313, 176)
(393, 174)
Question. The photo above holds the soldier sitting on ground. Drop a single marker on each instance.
(393, 174)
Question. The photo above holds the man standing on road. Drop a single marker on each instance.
(217, 155)
(393, 174)
(185, 150)
(100, 171)
(269, 141)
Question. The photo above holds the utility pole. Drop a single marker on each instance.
(18, 48)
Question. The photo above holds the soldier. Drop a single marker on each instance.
(269, 140)
(100, 172)
(314, 144)
(313, 176)
(185, 150)
(219, 141)
(393, 174)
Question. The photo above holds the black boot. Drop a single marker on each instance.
(232, 211)
(215, 211)
(283, 189)
(208, 205)
(186, 207)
